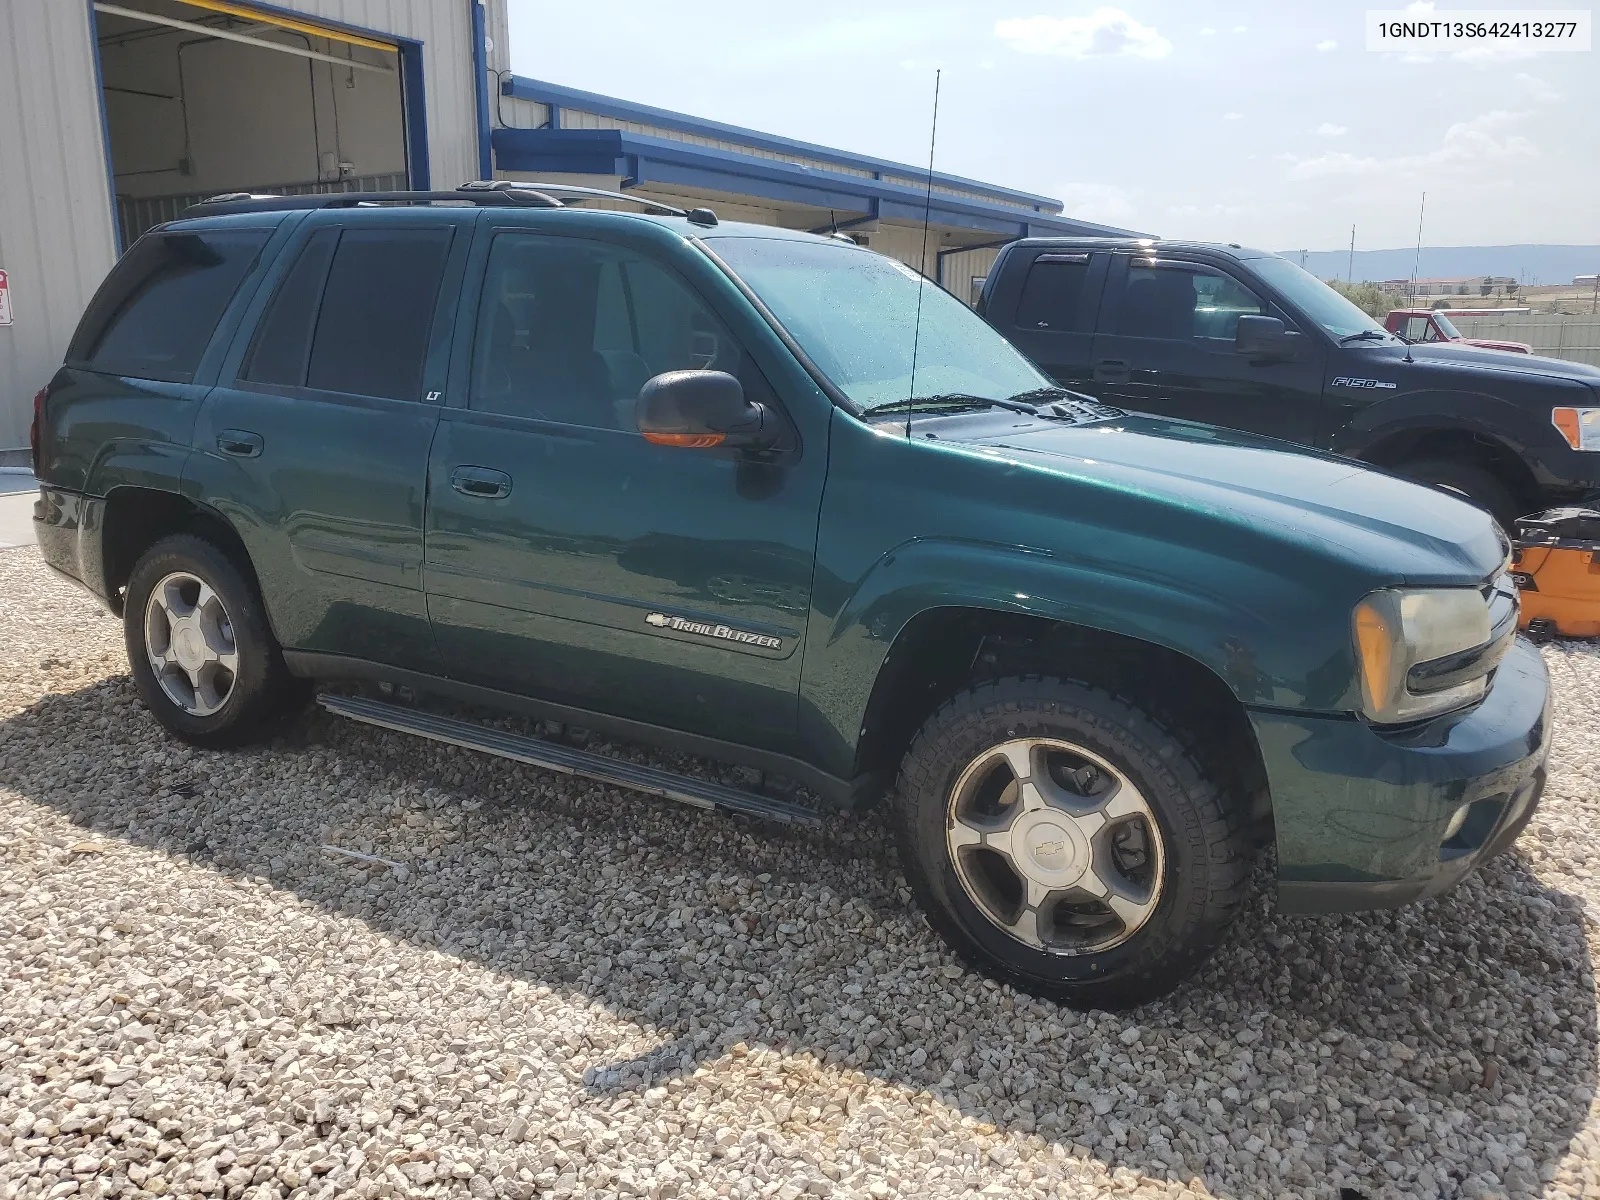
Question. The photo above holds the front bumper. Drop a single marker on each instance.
(1361, 815)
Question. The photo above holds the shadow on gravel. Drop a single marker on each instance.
(1450, 1038)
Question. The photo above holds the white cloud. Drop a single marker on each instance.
(1329, 129)
(1106, 32)
(1233, 116)
(1483, 139)
(1101, 202)
(1239, 29)
(1325, 46)
(1536, 89)
(1208, 32)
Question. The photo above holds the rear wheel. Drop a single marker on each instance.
(1059, 839)
(1471, 481)
(202, 654)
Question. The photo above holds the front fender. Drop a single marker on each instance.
(1260, 661)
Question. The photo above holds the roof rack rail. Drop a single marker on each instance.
(240, 202)
(697, 216)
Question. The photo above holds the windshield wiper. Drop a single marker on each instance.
(951, 401)
(1363, 336)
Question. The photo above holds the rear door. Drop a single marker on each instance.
(1046, 308)
(1164, 343)
(315, 441)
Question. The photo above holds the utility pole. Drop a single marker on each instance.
(1350, 271)
(1594, 304)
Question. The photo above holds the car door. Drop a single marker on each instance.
(1164, 343)
(571, 560)
(1049, 315)
(315, 441)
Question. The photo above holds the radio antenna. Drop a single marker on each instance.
(927, 216)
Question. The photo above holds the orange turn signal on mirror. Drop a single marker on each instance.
(686, 441)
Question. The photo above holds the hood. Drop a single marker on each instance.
(1401, 530)
(1477, 358)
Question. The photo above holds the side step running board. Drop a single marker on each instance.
(701, 793)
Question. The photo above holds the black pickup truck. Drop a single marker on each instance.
(1246, 339)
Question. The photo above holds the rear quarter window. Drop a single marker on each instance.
(155, 314)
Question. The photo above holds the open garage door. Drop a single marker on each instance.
(211, 96)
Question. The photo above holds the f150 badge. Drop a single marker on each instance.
(724, 633)
(1352, 381)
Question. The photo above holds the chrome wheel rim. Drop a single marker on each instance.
(1055, 846)
(189, 641)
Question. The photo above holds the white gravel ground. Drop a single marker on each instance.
(570, 990)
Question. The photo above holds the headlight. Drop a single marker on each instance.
(1414, 647)
(1580, 426)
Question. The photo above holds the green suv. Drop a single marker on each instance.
(773, 499)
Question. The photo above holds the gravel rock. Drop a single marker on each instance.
(568, 990)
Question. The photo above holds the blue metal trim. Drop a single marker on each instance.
(480, 66)
(641, 158)
(608, 106)
(413, 90)
(105, 131)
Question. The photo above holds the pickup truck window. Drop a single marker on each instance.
(1315, 299)
(1182, 301)
(855, 313)
(569, 330)
(1052, 294)
(372, 326)
(158, 308)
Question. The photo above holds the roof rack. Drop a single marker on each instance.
(697, 216)
(240, 202)
(485, 192)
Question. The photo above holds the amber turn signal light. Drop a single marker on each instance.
(686, 441)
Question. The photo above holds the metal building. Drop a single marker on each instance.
(117, 114)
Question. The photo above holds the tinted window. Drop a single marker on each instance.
(569, 330)
(377, 310)
(1164, 301)
(283, 340)
(158, 309)
(1052, 294)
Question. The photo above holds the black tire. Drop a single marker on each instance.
(262, 692)
(1472, 481)
(1205, 853)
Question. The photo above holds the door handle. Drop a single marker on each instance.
(481, 483)
(1111, 370)
(240, 443)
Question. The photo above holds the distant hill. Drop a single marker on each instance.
(1529, 264)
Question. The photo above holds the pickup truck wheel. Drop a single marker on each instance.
(202, 654)
(1472, 482)
(1060, 840)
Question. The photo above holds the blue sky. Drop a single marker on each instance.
(1262, 123)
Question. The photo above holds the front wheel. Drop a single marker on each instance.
(1061, 840)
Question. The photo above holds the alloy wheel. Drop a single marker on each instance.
(189, 640)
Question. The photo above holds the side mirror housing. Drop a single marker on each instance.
(1264, 338)
(696, 410)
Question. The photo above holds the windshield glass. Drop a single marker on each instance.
(1315, 298)
(855, 313)
(1445, 327)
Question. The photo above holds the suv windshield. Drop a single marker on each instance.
(1316, 299)
(855, 314)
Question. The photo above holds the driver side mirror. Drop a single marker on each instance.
(1265, 338)
(697, 410)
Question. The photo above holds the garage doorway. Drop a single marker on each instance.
(203, 97)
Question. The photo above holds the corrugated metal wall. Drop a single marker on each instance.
(55, 200)
(56, 240)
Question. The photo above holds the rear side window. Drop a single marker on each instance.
(160, 305)
(371, 334)
(283, 339)
(1052, 294)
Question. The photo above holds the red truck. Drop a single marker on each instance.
(1431, 325)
